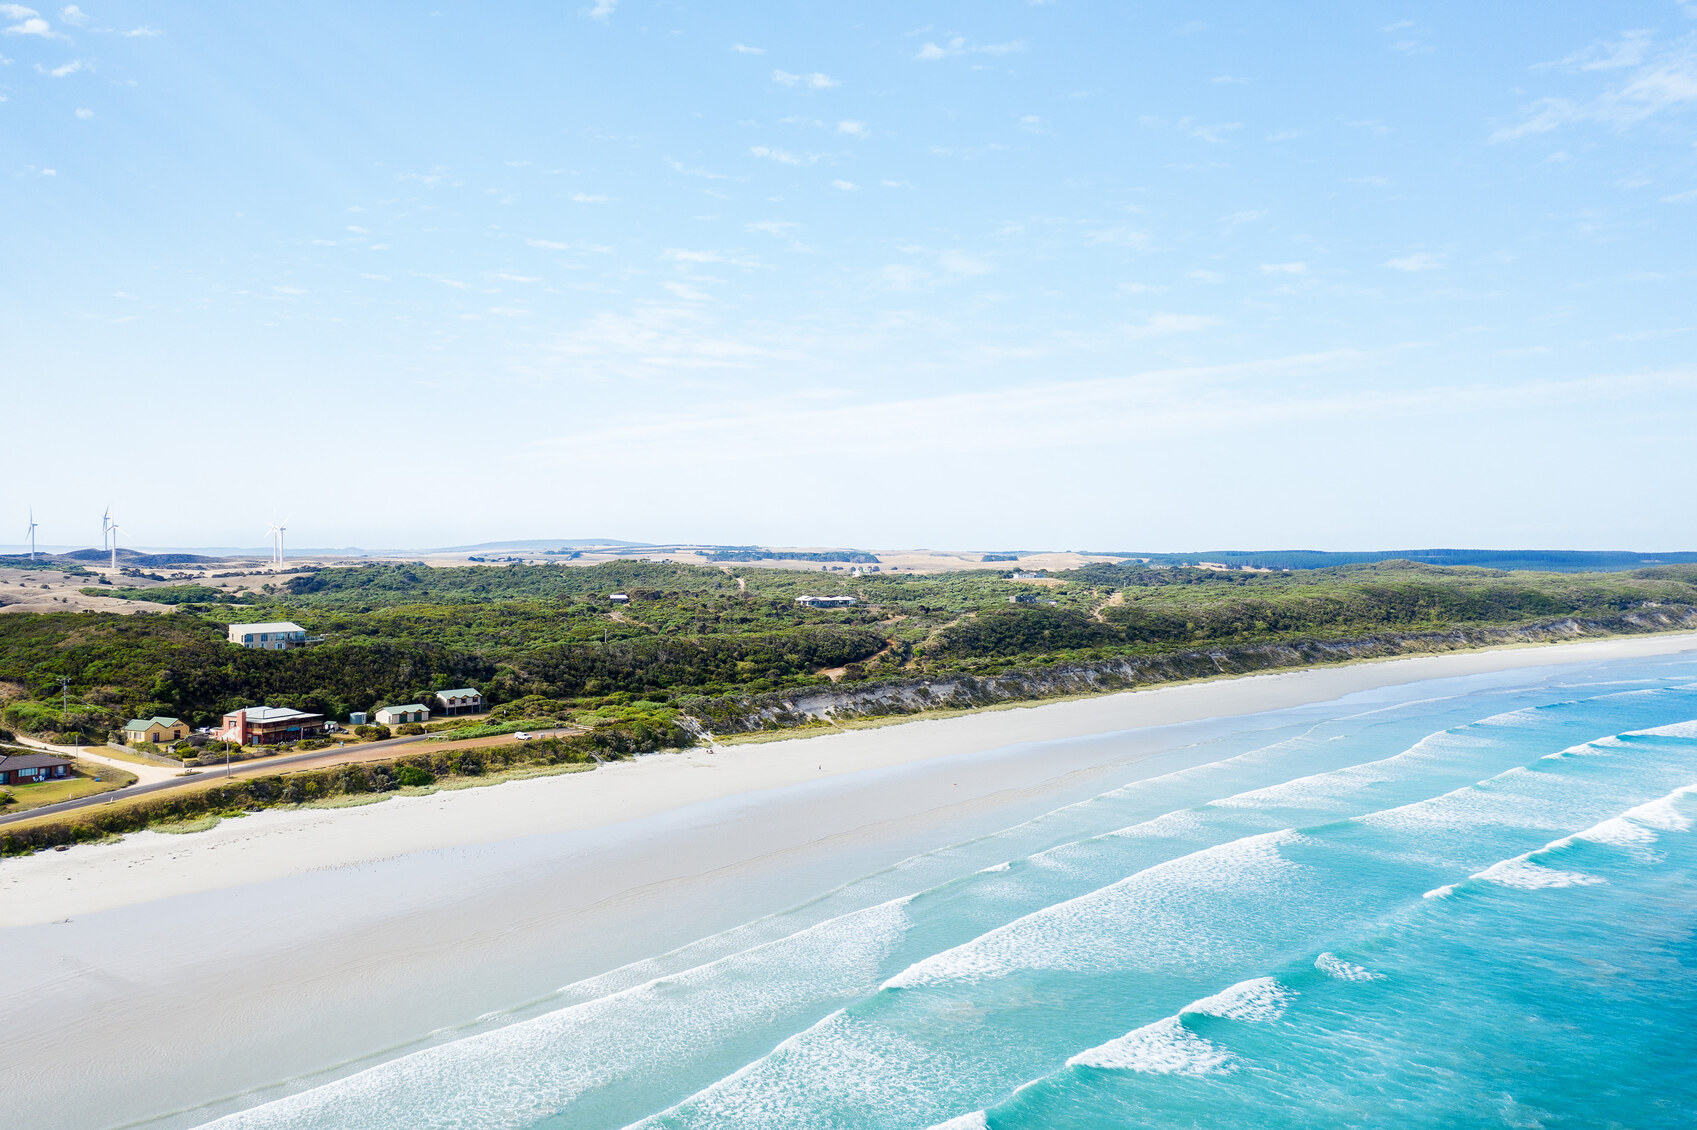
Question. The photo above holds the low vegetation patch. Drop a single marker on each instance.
(338, 785)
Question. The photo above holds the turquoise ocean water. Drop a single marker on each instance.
(1466, 903)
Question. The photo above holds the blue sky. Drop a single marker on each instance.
(991, 274)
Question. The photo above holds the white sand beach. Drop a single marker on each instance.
(163, 972)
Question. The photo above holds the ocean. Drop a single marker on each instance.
(1468, 902)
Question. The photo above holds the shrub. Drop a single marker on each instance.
(411, 776)
(409, 728)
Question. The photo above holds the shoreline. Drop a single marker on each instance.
(286, 948)
(274, 844)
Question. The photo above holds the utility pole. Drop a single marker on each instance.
(65, 707)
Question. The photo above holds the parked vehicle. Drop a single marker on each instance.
(522, 736)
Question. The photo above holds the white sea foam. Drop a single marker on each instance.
(977, 1120)
(514, 1075)
(1673, 730)
(1527, 875)
(1179, 824)
(1337, 786)
(1338, 969)
(1618, 831)
(1663, 813)
(994, 867)
(1165, 1047)
(1257, 1001)
(844, 1070)
(1100, 929)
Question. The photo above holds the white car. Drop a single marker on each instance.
(522, 736)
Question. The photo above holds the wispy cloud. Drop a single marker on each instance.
(69, 68)
(745, 49)
(1418, 261)
(603, 10)
(782, 156)
(957, 45)
(84, 114)
(1296, 268)
(686, 292)
(814, 81)
(1657, 81)
(852, 128)
(1627, 51)
(844, 186)
(589, 198)
(73, 15)
(685, 255)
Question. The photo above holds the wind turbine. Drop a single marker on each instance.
(32, 533)
(114, 529)
(277, 531)
(106, 527)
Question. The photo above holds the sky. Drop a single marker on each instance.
(991, 274)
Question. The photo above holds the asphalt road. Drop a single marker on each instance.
(374, 751)
(244, 768)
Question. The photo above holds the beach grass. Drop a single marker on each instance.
(203, 823)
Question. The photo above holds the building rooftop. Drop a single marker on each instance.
(459, 691)
(144, 723)
(406, 706)
(270, 626)
(273, 713)
(30, 761)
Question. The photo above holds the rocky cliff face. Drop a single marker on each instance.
(741, 714)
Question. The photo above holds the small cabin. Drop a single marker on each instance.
(163, 731)
(465, 700)
(400, 715)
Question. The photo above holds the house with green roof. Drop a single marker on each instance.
(155, 729)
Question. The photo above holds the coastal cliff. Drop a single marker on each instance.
(731, 714)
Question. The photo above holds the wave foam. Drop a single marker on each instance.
(1097, 930)
(1257, 1001)
(1524, 874)
(1338, 969)
(511, 1076)
(1165, 1047)
(977, 1120)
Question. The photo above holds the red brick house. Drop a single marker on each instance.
(31, 768)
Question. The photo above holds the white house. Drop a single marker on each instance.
(396, 715)
(276, 635)
(824, 601)
(462, 701)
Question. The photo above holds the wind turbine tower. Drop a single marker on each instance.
(277, 531)
(32, 533)
(113, 530)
